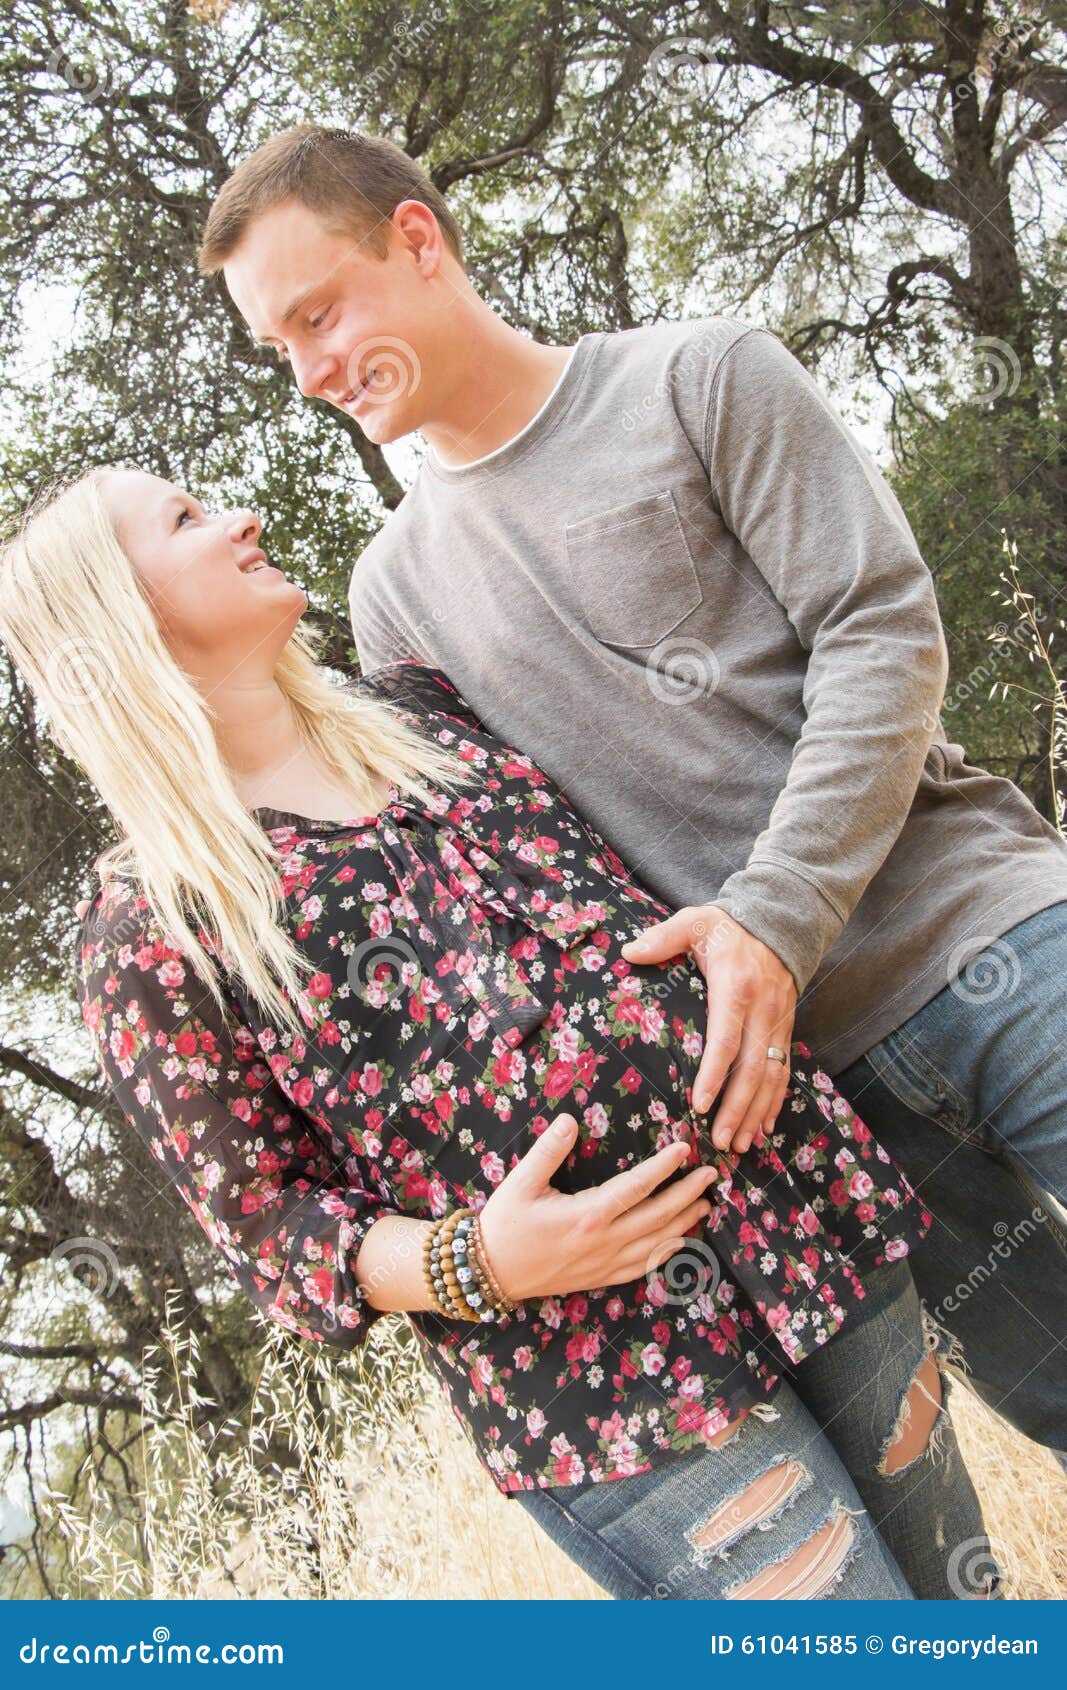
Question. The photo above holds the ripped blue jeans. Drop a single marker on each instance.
(797, 1503)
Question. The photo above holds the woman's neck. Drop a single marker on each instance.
(258, 736)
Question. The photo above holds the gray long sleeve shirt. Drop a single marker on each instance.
(687, 592)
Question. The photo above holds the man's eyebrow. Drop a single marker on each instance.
(291, 310)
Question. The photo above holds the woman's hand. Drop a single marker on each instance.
(542, 1242)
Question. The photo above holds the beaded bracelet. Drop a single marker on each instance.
(442, 1266)
(431, 1271)
(489, 1278)
(453, 1262)
(460, 1282)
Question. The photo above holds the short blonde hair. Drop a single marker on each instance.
(353, 182)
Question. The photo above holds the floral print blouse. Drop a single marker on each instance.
(469, 987)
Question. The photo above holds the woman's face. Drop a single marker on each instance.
(218, 600)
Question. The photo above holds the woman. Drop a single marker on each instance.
(355, 966)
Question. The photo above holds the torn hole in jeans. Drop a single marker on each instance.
(808, 1572)
(755, 1508)
(921, 1420)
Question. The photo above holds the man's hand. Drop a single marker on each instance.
(752, 1000)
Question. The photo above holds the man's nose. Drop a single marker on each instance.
(311, 374)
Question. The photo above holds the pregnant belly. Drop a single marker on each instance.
(618, 1050)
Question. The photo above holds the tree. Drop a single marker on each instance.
(879, 184)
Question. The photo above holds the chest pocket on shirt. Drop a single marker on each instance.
(633, 571)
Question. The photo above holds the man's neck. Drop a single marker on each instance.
(506, 379)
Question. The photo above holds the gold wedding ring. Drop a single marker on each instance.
(777, 1055)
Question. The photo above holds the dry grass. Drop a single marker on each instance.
(1024, 1498)
(390, 1501)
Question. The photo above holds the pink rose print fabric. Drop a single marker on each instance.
(468, 988)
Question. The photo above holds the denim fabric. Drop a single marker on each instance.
(630, 1535)
(970, 1096)
(927, 1513)
(922, 1534)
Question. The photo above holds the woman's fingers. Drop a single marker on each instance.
(651, 1251)
(623, 1191)
(662, 1210)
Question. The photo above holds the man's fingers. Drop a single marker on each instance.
(660, 942)
(778, 1088)
(752, 1084)
(721, 1046)
(744, 1107)
(756, 1113)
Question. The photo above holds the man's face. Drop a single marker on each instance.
(359, 332)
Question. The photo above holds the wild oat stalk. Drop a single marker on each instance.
(1054, 699)
(219, 1512)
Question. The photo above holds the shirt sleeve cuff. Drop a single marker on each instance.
(778, 904)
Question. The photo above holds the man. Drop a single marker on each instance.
(660, 563)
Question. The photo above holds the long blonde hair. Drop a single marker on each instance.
(80, 626)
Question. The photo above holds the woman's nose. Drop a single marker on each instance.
(246, 525)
